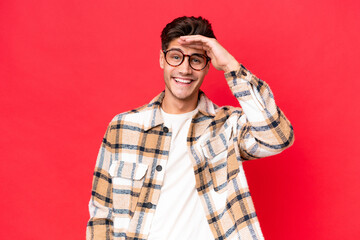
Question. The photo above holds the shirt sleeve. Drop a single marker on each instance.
(263, 130)
(100, 224)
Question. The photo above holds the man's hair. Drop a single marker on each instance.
(184, 26)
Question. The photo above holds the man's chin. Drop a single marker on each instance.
(185, 96)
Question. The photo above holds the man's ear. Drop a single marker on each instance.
(162, 60)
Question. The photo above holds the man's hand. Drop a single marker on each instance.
(220, 58)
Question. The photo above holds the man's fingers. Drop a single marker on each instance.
(198, 46)
(207, 44)
(194, 39)
(195, 43)
(191, 41)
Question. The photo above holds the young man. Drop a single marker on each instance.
(172, 169)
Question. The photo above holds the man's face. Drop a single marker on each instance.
(182, 82)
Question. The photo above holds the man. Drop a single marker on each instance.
(172, 169)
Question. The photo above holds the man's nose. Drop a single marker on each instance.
(185, 66)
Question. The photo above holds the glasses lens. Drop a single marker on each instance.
(174, 57)
(197, 61)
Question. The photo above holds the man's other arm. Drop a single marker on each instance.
(100, 224)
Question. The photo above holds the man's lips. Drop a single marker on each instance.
(183, 80)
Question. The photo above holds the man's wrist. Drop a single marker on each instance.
(234, 66)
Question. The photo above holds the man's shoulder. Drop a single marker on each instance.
(137, 115)
(136, 112)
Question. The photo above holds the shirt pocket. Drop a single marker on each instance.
(221, 157)
(127, 180)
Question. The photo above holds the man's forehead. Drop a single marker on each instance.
(187, 50)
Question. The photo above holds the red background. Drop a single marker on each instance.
(67, 67)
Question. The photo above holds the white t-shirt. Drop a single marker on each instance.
(179, 214)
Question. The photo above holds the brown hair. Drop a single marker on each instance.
(183, 26)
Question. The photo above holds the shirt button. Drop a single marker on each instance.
(158, 168)
(148, 205)
(166, 130)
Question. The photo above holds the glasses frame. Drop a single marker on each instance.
(186, 55)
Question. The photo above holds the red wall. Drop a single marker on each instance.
(67, 67)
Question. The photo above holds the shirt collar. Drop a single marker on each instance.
(205, 106)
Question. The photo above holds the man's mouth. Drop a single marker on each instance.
(182, 80)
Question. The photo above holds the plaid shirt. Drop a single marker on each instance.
(128, 178)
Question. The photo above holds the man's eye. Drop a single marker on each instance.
(196, 60)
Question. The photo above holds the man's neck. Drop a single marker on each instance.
(177, 106)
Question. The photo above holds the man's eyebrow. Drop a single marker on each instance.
(176, 49)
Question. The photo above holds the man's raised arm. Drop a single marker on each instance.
(262, 129)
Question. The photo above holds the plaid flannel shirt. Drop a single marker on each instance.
(127, 182)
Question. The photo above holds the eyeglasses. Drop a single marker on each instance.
(175, 57)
